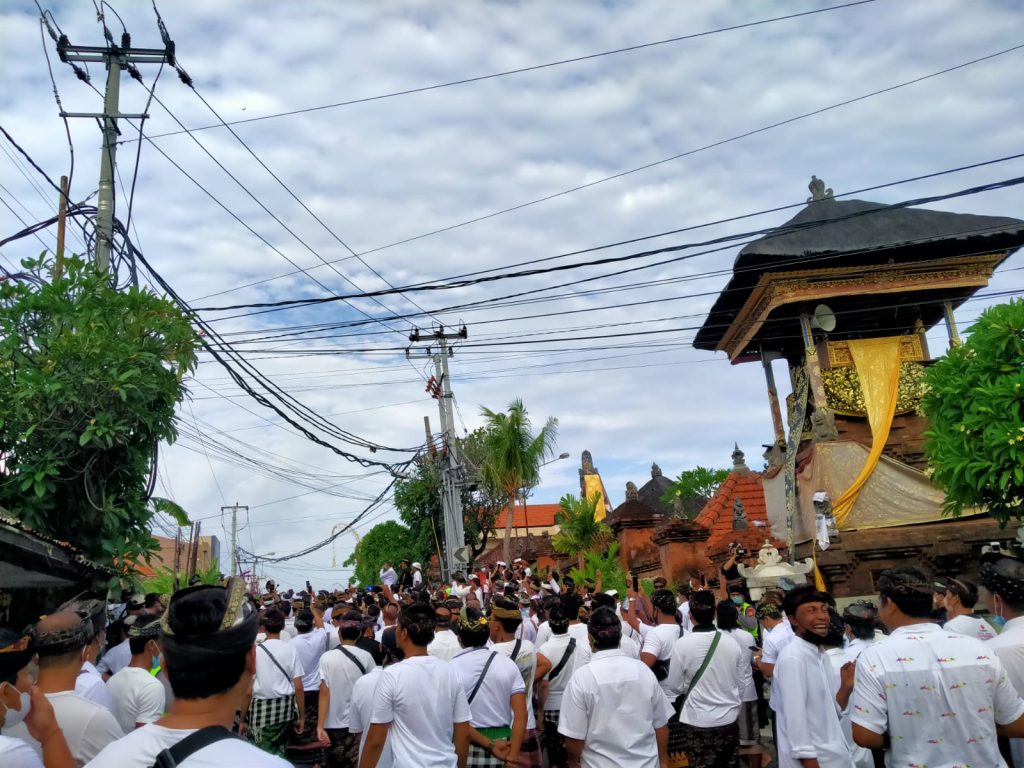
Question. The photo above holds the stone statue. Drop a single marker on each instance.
(739, 515)
(818, 191)
(774, 455)
(588, 464)
(655, 471)
(823, 424)
(632, 494)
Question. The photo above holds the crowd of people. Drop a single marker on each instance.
(514, 668)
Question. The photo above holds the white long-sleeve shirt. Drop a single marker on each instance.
(805, 705)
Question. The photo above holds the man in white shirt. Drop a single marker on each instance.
(495, 692)
(927, 695)
(310, 644)
(505, 622)
(860, 621)
(60, 639)
(138, 696)
(961, 597)
(807, 702)
(1002, 581)
(728, 617)
(360, 713)
(339, 671)
(208, 640)
(445, 643)
(278, 704)
(420, 705)
(117, 656)
(388, 575)
(90, 683)
(659, 641)
(614, 713)
(565, 653)
(417, 576)
(707, 667)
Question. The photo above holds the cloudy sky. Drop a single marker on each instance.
(381, 174)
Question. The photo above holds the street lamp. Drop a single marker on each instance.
(526, 492)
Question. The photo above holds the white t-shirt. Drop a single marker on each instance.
(659, 642)
(422, 699)
(269, 682)
(138, 697)
(444, 645)
(310, 647)
(490, 707)
(87, 726)
(1009, 648)
(554, 650)
(614, 705)
(90, 685)
(360, 714)
(15, 753)
(116, 659)
(339, 673)
(715, 700)
(776, 640)
(972, 625)
(140, 747)
(747, 643)
(527, 663)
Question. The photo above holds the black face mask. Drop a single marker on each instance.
(815, 639)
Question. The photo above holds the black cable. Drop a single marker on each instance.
(28, 157)
(772, 231)
(60, 111)
(521, 70)
(646, 166)
(142, 122)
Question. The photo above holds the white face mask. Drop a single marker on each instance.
(14, 716)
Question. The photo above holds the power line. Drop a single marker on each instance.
(521, 70)
(653, 164)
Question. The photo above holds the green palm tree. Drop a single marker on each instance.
(513, 455)
(579, 529)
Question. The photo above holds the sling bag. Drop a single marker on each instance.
(184, 749)
(515, 649)
(565, 659)
(276, 662)
(681, 699)
(483, 674)
(353, 659)
(660, 667)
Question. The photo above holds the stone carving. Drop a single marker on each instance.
(655, 471)
(823, 424)
(739, 516)
(770, 568)
(632, 494)
(818, 191)
(588, 464)
(775, 455)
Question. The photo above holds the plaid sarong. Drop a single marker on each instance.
(711, 747)
(481, 758)
(529, 752)
(269, 723)
(552, 741)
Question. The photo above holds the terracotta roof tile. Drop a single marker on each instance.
(717, 515)
(537, 515)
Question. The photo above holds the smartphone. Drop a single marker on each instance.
(636, 583)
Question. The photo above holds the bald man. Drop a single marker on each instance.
(61, 640)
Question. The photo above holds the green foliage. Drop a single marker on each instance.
(89, 380)
(163, 580)
(975, 409)
(481, 500)
(579, 531)
(418, 501)
(513, 454)
(385, 541)
(699, 483)
(610, 566)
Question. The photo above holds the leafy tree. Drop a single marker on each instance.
(579, 531)
(89, 380)
(481, 500)
(513, 455)
(695, 485)
(385, 541)
(418, 501)
(975, 407)
(608, 563)
(163, 579)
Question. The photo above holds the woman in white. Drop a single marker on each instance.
(961, 597)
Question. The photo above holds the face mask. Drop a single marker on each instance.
(816, 639)
(737, 600)
(998, 622)
(156, 661)
(15, 716)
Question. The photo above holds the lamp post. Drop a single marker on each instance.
(526, 491)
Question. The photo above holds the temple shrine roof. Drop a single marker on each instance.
(831, 234)
(736, 512)
(530, 515)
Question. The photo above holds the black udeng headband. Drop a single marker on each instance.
(63, 641)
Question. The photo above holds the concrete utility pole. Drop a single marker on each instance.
(455, 555)
(115, 58)
(234, 534)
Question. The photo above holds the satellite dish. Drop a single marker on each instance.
(824, 318)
